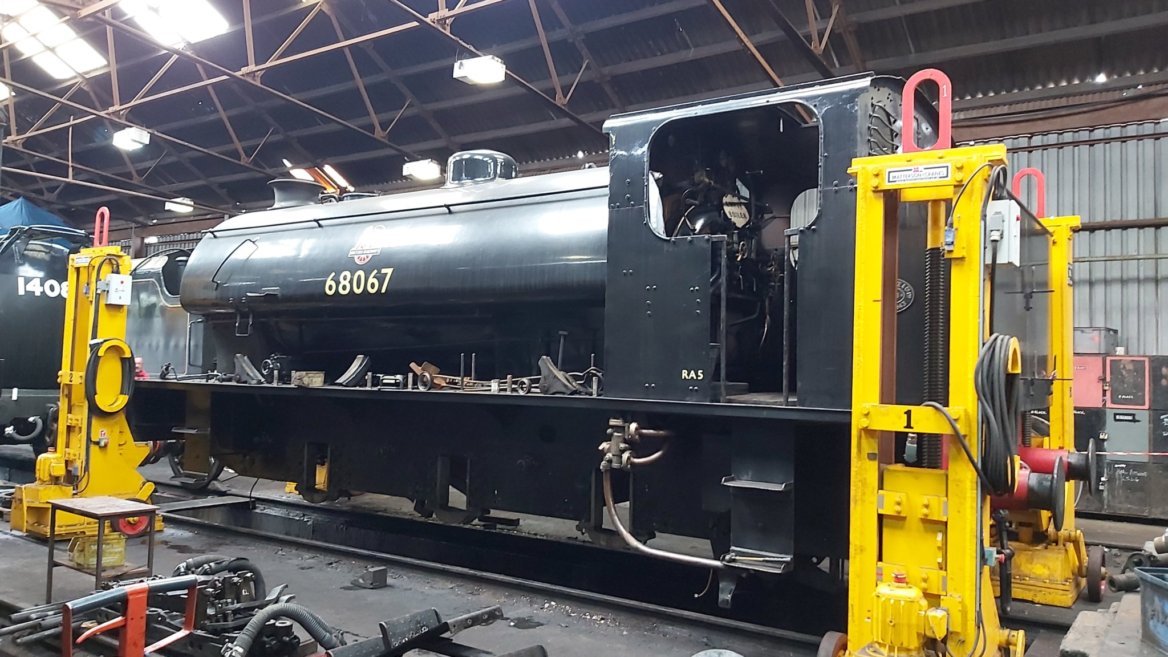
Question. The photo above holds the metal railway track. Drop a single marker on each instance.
(473, 553)
(796, 619)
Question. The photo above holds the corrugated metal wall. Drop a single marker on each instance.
(1109, 174)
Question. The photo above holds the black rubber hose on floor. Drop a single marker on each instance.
(302, 616)
(189, 566)
(213, 564)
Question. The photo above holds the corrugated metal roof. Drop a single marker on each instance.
(1112, 173)
(642, 52)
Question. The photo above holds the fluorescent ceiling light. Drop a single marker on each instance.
(5, 92)
(152, 239)
(131, 139)
(422, 170)
(302, 174)
(336, 177)
(16, 7)
(38, 33)
(181, 204)
(176, 22)
(1101, 78)
(487, 69)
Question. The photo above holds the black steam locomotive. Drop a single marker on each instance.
(34, 262)
(690, 306)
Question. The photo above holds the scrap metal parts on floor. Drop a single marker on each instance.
(217, 606)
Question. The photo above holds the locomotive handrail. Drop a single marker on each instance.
(908, 139)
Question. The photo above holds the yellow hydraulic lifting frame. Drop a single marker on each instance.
(919, 569)
(94, 453)
(922, 561)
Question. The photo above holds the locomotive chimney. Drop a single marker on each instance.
(290, 192)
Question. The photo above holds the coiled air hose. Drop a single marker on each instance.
(97, 349)
(997, 399)
(319, 630)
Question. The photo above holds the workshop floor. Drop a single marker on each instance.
(322, 581)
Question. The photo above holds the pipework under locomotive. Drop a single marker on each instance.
(486, 335)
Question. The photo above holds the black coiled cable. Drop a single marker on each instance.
(999, 409)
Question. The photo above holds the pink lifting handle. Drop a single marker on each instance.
(1039, 188)
(101, 227)
(908, 137)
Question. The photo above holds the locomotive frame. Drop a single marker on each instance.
(753, 473)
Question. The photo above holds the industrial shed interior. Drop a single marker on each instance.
(715, 328)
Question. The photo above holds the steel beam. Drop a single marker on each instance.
(746, 42)
(810, 53)
(547, 100)
(601, 76)
(487, 135)
(114, 119)
(402, 88)
(848, 30)
(753, 50)
(357, 78)
(701, 52)
(316, 8)
(223, 115)
(83, 183)
(609, 22)
(190, 56)
(547, 53)
(98, 172)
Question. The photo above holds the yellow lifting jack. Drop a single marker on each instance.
(923, 561)
(94, 453)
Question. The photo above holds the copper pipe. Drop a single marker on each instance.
(652, 458)
(632, 542)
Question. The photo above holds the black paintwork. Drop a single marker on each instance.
(653, 311)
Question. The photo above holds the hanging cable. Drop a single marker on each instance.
(999, 408)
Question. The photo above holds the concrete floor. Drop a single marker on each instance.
(323, 582)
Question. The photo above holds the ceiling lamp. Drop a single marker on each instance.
(40, 35)
(131, 139)
(5, 91)
(487, 69)
(181, 205)
(335, 176)
(176, 23)
(422, 170)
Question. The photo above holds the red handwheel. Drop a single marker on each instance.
(132, 526)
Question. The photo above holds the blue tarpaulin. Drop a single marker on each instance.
(23, 212)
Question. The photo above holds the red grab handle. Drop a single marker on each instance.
(101, 227)
(908, 139)
(1039, 188)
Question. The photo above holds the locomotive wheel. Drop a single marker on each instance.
(193, 480)
(833, 644)
(1095, 575)
(132, 526)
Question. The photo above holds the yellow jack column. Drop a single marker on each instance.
(920, 556)
(94, 453)
(1052, 567)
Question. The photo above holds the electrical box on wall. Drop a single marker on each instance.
(1004, 222)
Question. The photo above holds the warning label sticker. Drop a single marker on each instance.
(918, 174)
